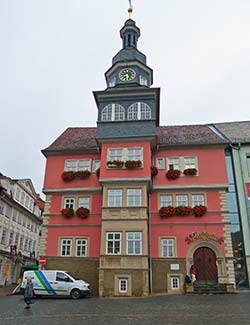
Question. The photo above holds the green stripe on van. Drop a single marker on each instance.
(42, 282)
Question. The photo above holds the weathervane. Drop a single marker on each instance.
(130, 9)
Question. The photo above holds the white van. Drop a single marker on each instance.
(56, 283)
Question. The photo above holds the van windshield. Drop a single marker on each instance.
(72, 276)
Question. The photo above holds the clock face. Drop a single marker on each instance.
(127, 74)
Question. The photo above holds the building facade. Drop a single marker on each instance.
(131, 205)
(20, 223)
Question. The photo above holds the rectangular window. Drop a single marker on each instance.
(34, 246)
(19, 218)
(77, 164)
(8, 211)
(173, 163)
(4, 237)
(66, 247)
(96, 165)
(134, 197)
(81, 247)
(17, 239)
(114, 198)
(113, 243)
(17, 194)
(166, 200)
(83, 202)
(26, 244)
(69, 203)
(134, 243)
(189, 162)
(175, 283)
(115, 154)
(21, 243)
(181, 200)
(197, 200)
(167, 245)
(248, 163)
(123, 285)
(2, 207)
(11, 238)
(14, 217)
(134, 154)
(160, 163)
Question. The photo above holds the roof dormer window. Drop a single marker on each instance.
(139, 111)
(113, 112)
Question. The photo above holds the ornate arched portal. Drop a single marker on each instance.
(205, 261)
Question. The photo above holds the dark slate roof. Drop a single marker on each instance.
(185, 135)
(235, 131)
(83, 139)
(74, 140)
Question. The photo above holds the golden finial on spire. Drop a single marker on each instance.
(130, 10)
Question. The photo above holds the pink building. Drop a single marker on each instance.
(131, 205)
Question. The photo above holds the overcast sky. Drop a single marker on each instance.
(53, 54)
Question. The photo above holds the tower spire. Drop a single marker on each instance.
(130, 10)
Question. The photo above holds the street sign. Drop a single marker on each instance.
(42, 260)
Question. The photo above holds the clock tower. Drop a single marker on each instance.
(128, 107)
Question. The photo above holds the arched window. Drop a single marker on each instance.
(113, 112)
(139, 111)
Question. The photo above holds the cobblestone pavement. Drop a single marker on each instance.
(167, 309)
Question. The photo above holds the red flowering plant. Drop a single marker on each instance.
(115, 163)
(82, 212)
(82, 174)
(67, 212)
(199, 210)
(183, 211)
(173, 174)
(133, 163)
(68, 176)
(166, 212)
(190, 171)
(154, 171)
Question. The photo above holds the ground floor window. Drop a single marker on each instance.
(66, 247)
(123, 285)
(74, 247)
(175, 283)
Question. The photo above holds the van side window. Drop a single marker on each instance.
(62, 277)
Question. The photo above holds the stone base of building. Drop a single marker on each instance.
(86, 269)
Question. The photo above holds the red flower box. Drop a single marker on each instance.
(68, 176)
(115, 163)
(173, 174)
(154, 171)
(183, 211)
(190, 171)
(199, 210)
(67, 212)
(166, 212)
(82, 212)
(133, 163)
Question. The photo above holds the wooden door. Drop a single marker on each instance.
(205, 262)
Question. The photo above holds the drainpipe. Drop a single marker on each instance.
(150, 243)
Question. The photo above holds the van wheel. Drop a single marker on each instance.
(75, 294)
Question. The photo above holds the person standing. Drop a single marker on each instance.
(193, 273)
(28, 293)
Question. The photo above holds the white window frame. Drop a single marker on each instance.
(173, 163)
(115, 197)
(123, 154)
(137, 110)
(168, 247)
(76, 164)
(69, 202)
(166, 200)
(143, 80)
(134, 197)
(189, 162)
(122, 288)
(85, 204)
(134, 153)
(81, 243)
(175, 282)
(160, 162)
(11, 238)
(115, 154)
(198, 199)
(66, 243)
(133, 238)
(96, 165)
(113, 112)
(114, 240)
(180, 200)
(4, 236)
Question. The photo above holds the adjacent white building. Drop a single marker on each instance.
(20, 221)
